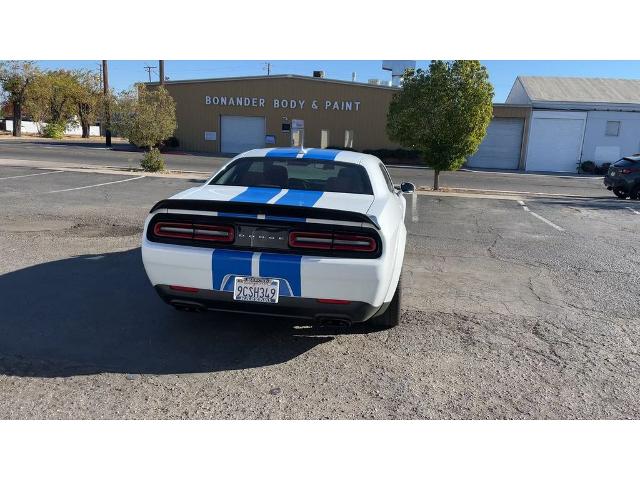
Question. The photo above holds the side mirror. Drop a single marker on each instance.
(407, 187)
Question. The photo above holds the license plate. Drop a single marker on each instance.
(254, 289)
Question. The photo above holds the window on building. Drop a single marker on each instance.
(348, 139)
(612, 129)
(324, 138)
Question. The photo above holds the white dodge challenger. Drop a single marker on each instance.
(309, 233)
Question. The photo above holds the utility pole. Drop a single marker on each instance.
(107, 103)
(161, 69)
(148, 69)
(267, 67)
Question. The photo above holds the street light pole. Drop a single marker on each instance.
(107, 112)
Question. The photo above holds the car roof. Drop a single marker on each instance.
(314, 154)
(635, 157)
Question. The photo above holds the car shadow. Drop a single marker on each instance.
(98, 313)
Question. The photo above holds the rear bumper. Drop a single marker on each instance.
(359, 280)
(304, 308)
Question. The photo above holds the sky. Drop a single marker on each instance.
(502, 73)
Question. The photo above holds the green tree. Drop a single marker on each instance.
(15, 80)
(443, 112)
(51, 98)
(145, 117)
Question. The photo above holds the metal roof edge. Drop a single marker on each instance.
(602, 106)
(274, 77)
(511, 105)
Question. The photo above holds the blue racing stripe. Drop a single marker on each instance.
(287, 267)
(229, 263)
(283, 152)
(300, 198)
(321, 154)
(256, 195)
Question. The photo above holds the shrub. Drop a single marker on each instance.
(172, 142)
(334, 147)
(53, 130)
(145, 116)
(152, 161)
(603, 169)
(588, 166)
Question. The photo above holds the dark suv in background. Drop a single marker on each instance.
(623, 177)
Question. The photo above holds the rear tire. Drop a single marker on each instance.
(391, 316)
(620, 193)
(635, 193)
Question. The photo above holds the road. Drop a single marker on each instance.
(513, 308)
(122, 156)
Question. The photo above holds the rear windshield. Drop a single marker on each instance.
(626, 162)
(297, 174)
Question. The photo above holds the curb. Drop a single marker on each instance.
(497, 193)
(112, 169)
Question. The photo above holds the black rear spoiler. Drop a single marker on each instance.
(266, 209)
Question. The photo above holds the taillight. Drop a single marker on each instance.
(213, 233)
(358, 243)
(173, 230)
(626, 171)
(332, 241)
(321, 241)
(207, 233)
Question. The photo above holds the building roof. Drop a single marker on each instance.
(276, 77)
(581, 90)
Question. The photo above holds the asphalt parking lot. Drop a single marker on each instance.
(55, 153)
(523, 307)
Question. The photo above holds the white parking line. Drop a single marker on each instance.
(540, 217)
(97, 185)
(31, 175)
(634, 211)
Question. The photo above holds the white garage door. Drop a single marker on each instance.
(555, 144)
(239, 134)
(501, 146)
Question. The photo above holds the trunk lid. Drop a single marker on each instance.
(350, 202)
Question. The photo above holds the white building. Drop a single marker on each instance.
(577, 119)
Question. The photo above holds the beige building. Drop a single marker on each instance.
(231, 115)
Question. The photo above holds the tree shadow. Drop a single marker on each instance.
(98, 313)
